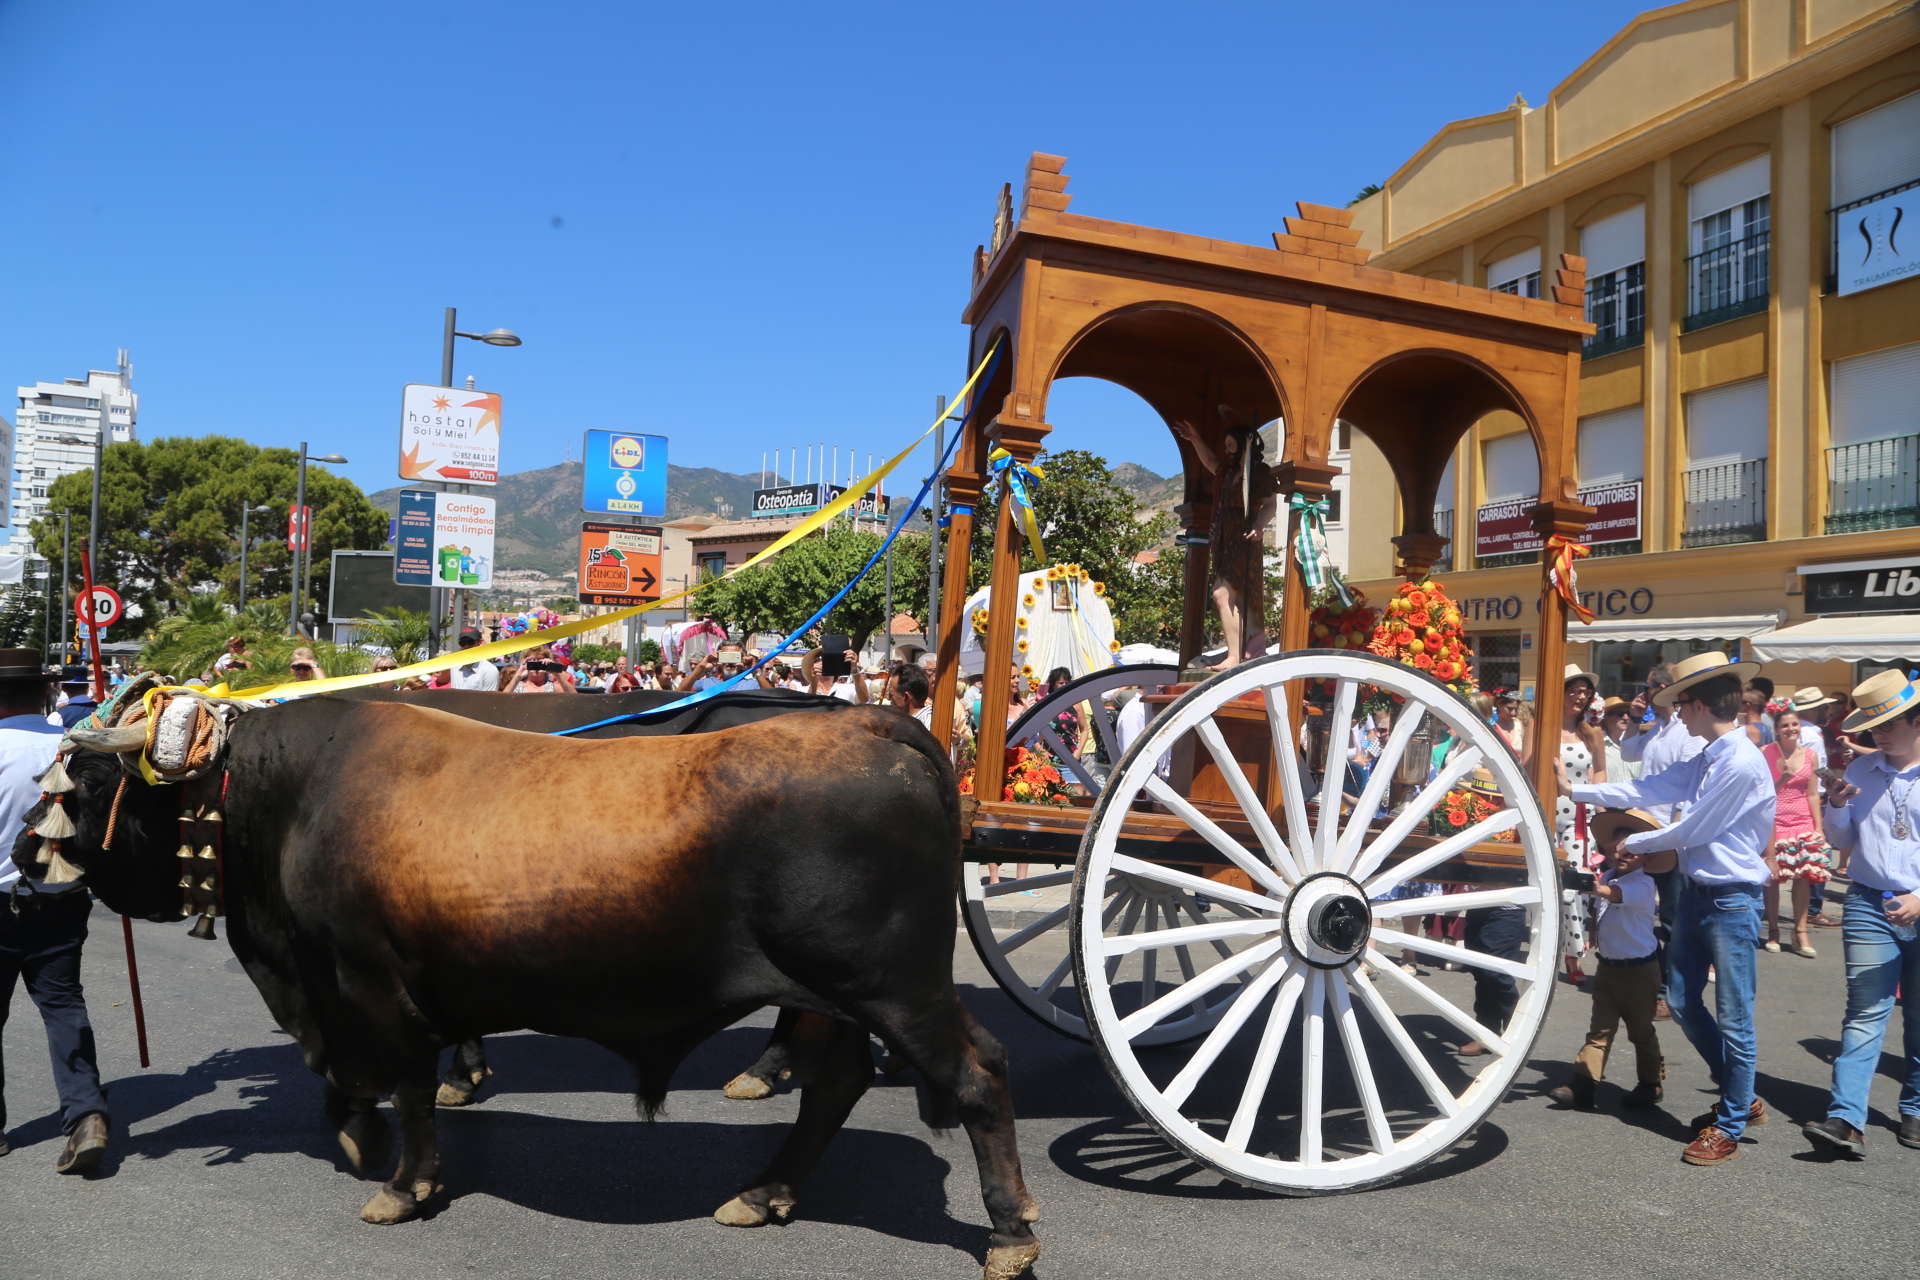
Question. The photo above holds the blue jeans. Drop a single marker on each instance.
(42, 944)
(1718, 925)
(1877, 963)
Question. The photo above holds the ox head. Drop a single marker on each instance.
(135, 874)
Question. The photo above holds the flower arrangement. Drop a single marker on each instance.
(1462, 806)
(1421, 627)
(1031, 779)
(980, 621)
(1336, 626)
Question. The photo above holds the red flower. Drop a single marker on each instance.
(1422, 661)
(1456, 817)
(1418, 599)
(1405, 637)
(1421, 619)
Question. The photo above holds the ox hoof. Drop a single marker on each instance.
(1030, 1212)
(364, 1140)
(448, 1096)
(1010, 1260)
(386, 1208)
(747, 1087)
(741, 1212)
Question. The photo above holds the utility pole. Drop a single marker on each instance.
(66, 551)
(294, 540)
(933, 525)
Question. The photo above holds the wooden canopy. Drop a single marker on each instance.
(1217, 334)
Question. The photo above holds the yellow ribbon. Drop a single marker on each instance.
(1018, 473)
(502, 648)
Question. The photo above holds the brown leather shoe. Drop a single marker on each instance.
(1471, 1049)
(1644, 1094)
(1711, 1147)
(1661, 1013)
(1908, 1132)
(85, 1146)
(1756, 1114)
(1578, 1095)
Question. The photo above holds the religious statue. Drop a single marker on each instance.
(1245, 498)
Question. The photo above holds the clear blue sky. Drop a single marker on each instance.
(743, 226)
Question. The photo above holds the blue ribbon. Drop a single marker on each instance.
(1019, 474)
(734, 680)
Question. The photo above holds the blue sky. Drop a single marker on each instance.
(744, 227)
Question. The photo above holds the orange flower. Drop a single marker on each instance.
(1418, 599)
(1405, 637)
(1456, 817)
(1420, 619)
(1422, 661)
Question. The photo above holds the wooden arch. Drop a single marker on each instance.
(1211, 331)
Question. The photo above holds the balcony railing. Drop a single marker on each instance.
(1616, 307)
(1875, 485)
(1727, 283)
(1443, 525)
(1726, 504)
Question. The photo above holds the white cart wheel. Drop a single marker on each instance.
(1368, 1088)
(1031, 961)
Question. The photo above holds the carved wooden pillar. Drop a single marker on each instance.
(1569, 520)
(963, 495)
(1315, 480)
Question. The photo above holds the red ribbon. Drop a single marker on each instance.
(1564, 552)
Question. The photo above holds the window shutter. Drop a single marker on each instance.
(1876, 396)
(1730, 187)
(1516, 266)
(1727, 424)
(1512, 469)
(1877, 150)
(1612, 447)
(1616, 241)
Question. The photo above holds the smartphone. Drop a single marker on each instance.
(1829, 775)
(729, 653)
(833, 655)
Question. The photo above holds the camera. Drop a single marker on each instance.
(1578, 881)
(552, 667)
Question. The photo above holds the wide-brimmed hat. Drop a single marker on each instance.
(23, 664)
(1482, 783)
(1608, 823)
(1880, 699)
(1575, 673)
(1808, 698)
(1702, 666)
(1615, 703)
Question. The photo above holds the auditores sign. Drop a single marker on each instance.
(449, 435)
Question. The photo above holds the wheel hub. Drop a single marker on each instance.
(1328, 923)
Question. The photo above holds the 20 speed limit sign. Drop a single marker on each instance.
(106, 603)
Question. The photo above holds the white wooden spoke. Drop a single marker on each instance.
(1416, 812)
(1244, 1006)
(1044, 881)
(1339, 735)
(1375, 791)
(1149, 957)
(1067, 759)
(1221, 1027)
(1103, 728)
(1459, 842)
(1279, 1018)
(1434, 1000)
(1389, 1022)
(1362, 1067)
(1127, 925)
(1195, 988)
(1258, 871)
(1447, 904)
(1250, 805)
(1293, 790)
(1125, 944)
(1459, 955)
(1021, 938)
(1313, 1070)
(1214, 889)
(1052, 982)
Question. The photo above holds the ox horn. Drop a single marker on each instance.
(132, 737)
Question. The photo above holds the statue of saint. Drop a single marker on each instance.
(1245, 498)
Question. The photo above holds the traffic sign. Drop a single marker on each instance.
(625, 474)
(107, 606)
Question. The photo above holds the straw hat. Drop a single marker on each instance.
(1575, 673)
(1482, 782)
(1808, 698)
(1880, 699)
(1609, 824)
(1615, 703)
(1700, 667)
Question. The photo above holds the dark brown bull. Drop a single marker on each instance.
(384, 896)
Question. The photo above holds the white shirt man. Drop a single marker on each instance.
(479, 674)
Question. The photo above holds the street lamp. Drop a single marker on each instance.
(301, 582)
(493, 338)
(247, 509)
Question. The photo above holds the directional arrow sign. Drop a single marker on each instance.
(644, 578)
(619, 564)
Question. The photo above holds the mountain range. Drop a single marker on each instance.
(538, 512)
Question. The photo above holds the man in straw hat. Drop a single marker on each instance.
(42, 926)
(1875, 811)
(1728, 794)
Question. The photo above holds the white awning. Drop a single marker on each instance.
(1893, 637)
(1738, 627)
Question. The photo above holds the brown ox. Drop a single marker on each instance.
(398, 879)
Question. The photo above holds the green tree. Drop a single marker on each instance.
(785, 591)
(170, 521)
(23, 608)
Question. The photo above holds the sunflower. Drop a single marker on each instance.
(1021, 645)
(1113, 646)
(1026, 670)
(1053, 574)
(1021, 621)
(1026, 601)
(1099, 588)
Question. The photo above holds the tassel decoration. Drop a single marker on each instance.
(54, 824)
(59, 870)
(55, 780)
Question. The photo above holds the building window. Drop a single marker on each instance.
(1726, 477)
(1509, 473)
(1496, 659)
(39, 492)
(1875, 154)
(1727, 270)
(1615, 248)
(1518, 273)
(1873, 466)
(1623, 665)
(712, 566)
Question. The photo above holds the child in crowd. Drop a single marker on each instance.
(1628, 983)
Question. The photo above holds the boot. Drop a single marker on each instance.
(85, 1146)
(1644, 1094)
(1576, 1094)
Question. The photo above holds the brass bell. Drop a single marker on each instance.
(203, 929)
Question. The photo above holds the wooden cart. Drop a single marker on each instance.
(1226, 946)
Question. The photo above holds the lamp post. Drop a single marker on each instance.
(301, 581)
(246, 541)
(66, 578)
(436, 606)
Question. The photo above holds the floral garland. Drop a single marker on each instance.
(1032, 778)
(1422, 628)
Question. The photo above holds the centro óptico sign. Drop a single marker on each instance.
(1617, 602)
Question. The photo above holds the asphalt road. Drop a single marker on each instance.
(222, 1166)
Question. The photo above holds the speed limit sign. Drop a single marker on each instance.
(106, 606)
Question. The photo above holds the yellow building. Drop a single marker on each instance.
(1743, 179)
